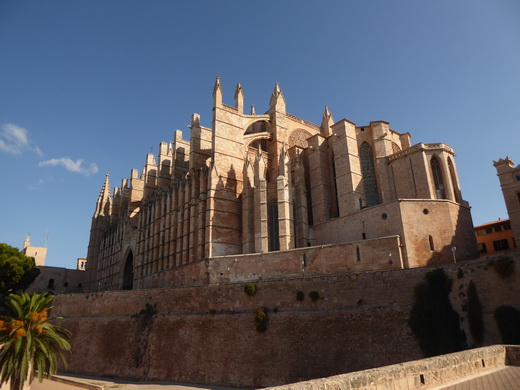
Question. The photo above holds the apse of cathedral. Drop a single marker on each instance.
(257, 196)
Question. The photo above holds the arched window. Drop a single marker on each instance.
(430, 240)
(368, 172)
(358, 254)
(128, 275)
(456, 192)
(334, 204)
(437, 178)
(272, 221)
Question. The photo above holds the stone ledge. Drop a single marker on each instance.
(419, 374)
(77, 382)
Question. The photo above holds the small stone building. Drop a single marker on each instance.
(257, 184)
(38, 253)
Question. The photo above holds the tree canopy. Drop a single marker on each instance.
(17, 271)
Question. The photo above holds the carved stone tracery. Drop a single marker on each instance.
(299, 138)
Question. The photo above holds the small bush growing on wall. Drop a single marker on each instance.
(314, 295)
(508, 321)
(300, 296)
(432, 319)
(261, 319)
(250, 288)
(503, 266)
(475, 318)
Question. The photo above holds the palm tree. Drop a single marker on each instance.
(28, 342)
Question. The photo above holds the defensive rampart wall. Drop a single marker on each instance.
(357, 256)
(207, 334)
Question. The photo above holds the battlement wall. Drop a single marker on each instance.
(207, 334)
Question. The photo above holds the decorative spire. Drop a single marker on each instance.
(253, 112)
(249, 175)
(326, 122)
(259, 166)
(239, 98)
(150, 160)
(105, 191)
(277, 100)
(217, 93)
(104, 201)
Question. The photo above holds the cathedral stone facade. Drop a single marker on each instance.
(274, 196)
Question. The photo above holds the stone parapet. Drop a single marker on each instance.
(419, 374)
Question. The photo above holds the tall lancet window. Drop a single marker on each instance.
(368, 171)
(456, 191)
(437, 178)
(272, 221)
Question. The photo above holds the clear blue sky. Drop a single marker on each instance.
(88, 87)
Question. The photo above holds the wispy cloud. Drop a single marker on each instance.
(71, 165)
(15, 139)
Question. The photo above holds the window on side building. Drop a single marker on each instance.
(500, 245)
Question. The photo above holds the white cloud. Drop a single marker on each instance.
(38, 151)
(15, 139)
(71, 165)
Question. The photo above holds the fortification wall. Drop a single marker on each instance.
(207, 334)
(309, 261)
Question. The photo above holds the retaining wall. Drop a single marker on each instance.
(207, 334)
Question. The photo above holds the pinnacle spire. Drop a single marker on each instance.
(277, 100)
(105, 191)
(253, 112)
(259, 166)
(239, 98)
(105, 199)
(326, 122)
(217, 92)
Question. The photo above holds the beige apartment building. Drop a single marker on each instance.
(259, 196)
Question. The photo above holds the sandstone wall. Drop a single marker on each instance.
(206, 334)
(432, 373)
(309, 261)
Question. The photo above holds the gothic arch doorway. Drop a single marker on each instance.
(128, 274)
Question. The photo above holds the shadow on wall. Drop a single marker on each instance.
(463, 245)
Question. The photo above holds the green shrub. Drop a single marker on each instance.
(475, 318)
(508, 321)
(432, 319)
(503, 266)
(261, 319)
(300, 296)
(250, 288)
(314, 295)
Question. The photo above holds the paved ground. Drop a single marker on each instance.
(504, 378)
(123, 385)
(50, 385)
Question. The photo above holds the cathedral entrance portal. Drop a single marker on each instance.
(128, 275)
